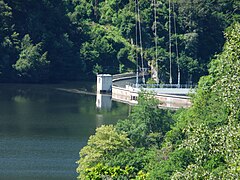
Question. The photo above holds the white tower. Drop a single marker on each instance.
(104, 83)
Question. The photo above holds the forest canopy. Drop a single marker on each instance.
(75, 39)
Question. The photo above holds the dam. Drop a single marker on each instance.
(123, 88)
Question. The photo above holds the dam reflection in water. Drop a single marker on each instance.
(104, 101)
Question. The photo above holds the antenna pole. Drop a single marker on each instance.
(140, 40)
(170, 46)
(176, 43)
(156, 39)
(136, 36)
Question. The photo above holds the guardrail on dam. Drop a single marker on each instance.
(169, 97)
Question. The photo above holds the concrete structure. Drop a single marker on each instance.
(104, 83)
(173, 89)
(129, 95)
(169, 97)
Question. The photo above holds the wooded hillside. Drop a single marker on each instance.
(55, 40)
(202, 142)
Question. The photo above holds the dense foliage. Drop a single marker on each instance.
(126, 148)
(72, 39)
(202, 142)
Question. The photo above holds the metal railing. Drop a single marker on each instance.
(181, 86)
(124, 75)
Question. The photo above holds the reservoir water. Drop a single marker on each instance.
(43, 127)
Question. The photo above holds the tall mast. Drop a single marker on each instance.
(136, 36)
(176, 44)
(156, 39)
(170, 45)
(140, 41)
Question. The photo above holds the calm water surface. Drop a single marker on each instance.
(43, 128)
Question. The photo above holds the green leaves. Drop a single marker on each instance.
(8, 42)
(81, 34)
(106, 48)
(106, 141)
(104, 172)
(125, 151)
(212, 135)
(226, 69)
(32, 63)
(146, 124)
(201, 143)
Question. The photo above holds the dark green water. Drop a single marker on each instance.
(43, 128)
